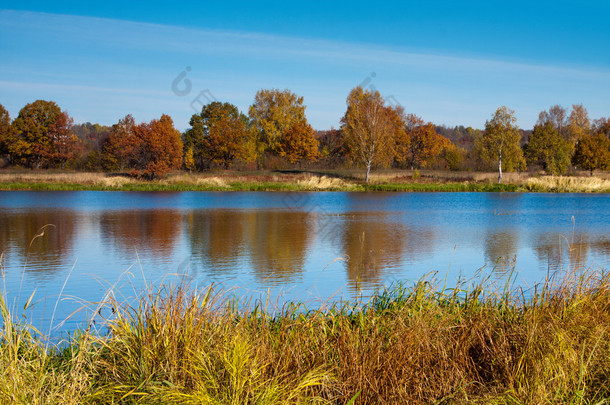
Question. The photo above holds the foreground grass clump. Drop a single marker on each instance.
(417, 344)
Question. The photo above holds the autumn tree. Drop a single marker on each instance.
(272, 114)
(43, 135)
(592, 153)
(579, 124)
(500, 142)
(189, 159)
(453, 156)
(158, 150)
(218, 134)
(119, 148)
(602, 126)
(403, 147)
(370, 129)
(546, 147)
(425, 145)
(299, 143)
(5, 130)
(332, 146)
(64, 145)
(92, 138)
(557, 117)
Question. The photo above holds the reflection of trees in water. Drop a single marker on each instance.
(275, 242)
(216, 239)
(22, 235)
(601, 245)
(557, 250)
(151, 231)
(278, 243)
(368, 202)
(372, 243)
(501, 248)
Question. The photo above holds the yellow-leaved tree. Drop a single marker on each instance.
(500, 142)
(273, 113)
(370, 129)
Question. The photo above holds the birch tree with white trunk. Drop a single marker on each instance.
(370, 128)
(501, 142)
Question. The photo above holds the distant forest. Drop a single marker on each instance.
(275, 134)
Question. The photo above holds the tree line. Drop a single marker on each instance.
(276, 134)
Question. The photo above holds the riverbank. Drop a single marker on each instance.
(414, 344)
(337, 180)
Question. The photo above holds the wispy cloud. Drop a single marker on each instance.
(81, 56)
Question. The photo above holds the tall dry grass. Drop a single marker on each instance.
(568, 184)
(198, 180)
(32, 372)
(417, 344)
(323, 183)
(51, 177)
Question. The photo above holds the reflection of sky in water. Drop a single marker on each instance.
(313, 247)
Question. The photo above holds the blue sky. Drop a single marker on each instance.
(452, 63)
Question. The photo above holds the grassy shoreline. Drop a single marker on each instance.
(410, 344)
(396, 181)
(267, 186)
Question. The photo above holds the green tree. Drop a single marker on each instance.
(370, 129)
(549, 149)
(273, 113)
(43, 135)
(218, 134)
(500, 142)
(592, 153)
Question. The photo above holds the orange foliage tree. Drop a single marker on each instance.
(425, 145)
(42, 135)
(299, 143)
(5, 130)
(225, 135)
(119, 148)
(219, 134)
(64, 145)
(402, 146)
(159, 149)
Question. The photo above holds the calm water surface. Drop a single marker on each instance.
(312, 247)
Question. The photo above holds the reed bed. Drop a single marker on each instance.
(421, 344)
(323, 183)
(564, 184)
